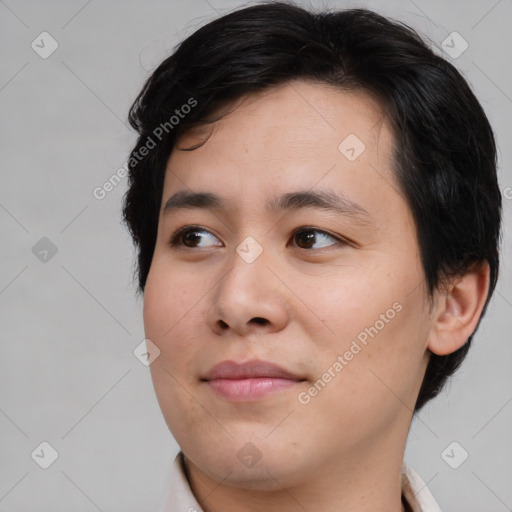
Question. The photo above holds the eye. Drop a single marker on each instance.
(313, 238)
(194, 236)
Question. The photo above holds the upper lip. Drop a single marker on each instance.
(249, 369)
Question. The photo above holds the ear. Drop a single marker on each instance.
(458, 309)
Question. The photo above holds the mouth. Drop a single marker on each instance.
(249, 381)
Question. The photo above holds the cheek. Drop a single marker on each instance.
(383, 362)
(172, 311)
(379, 327)
(337, 306)
(171, 298)
(173, 321)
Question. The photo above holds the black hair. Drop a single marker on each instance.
(444, 154)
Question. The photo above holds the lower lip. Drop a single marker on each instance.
(249, 389)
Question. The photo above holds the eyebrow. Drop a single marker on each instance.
(326, 200)
(188, 200)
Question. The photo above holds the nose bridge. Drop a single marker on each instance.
(244, 276)
(248, 297)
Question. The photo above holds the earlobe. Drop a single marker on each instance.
(458, 310)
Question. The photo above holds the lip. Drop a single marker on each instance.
(249, 381)
(248, 370)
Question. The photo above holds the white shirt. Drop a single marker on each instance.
(180, 497)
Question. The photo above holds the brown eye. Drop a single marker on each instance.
(191, 238)
(194, 237)
(305, 239)
(311, 238)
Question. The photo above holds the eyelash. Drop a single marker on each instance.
(177, 238)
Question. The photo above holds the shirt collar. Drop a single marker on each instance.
(180, 497)
(416, 492)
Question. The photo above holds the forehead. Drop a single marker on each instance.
(300, 135)
(294, 115)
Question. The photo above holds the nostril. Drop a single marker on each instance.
(223, 324)
(260, 321)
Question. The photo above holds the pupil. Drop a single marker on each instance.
(306, 238)
(191, 238)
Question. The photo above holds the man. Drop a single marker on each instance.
(315, 204)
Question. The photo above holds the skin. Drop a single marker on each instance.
(297, 305)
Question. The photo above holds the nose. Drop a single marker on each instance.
(248, 300)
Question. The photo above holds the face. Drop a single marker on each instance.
(299, 251)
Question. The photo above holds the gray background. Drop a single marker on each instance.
(70, 324)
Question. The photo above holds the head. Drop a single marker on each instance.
(337, 180)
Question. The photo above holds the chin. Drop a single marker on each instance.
(270, 473)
